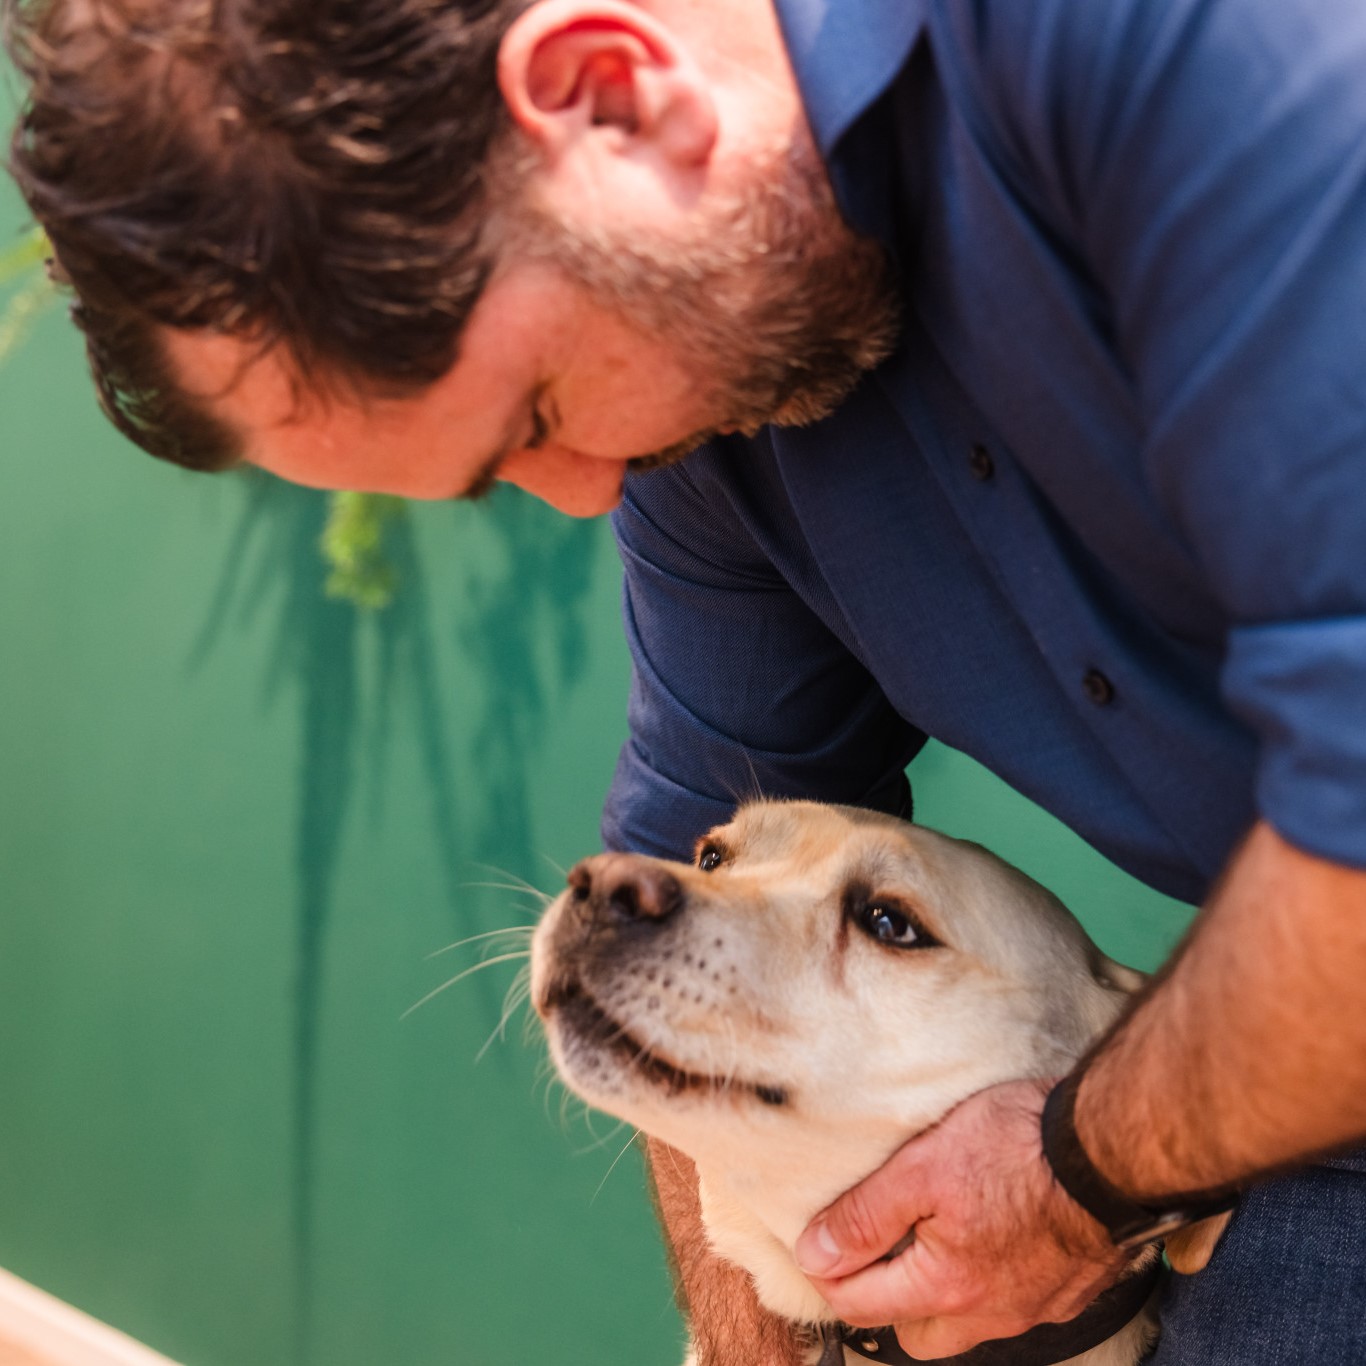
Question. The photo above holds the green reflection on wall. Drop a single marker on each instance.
(235, 819)
(541, 583)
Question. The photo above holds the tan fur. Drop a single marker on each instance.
(756, 978)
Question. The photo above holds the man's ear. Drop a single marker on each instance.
(574, 70)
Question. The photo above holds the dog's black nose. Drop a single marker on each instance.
(627, 886)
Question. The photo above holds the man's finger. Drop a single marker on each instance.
(863, 1225)
(928, 1339)
(885, 1292)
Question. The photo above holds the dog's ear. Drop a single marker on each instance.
(1189, 1249)
(1115, 975)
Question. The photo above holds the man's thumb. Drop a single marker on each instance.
(860, 1227)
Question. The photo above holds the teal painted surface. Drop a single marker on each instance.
(235, 820)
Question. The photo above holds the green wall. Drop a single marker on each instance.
(235, 820)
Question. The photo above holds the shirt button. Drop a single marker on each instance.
(980, 462)
(1098, 688)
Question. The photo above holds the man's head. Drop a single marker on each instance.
(301, 173)
(414, 246)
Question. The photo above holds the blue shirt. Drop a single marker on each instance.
(1100, 521)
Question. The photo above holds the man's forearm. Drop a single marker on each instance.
(1249, 1054)
(729, 1327)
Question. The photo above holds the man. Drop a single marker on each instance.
(1092, 511)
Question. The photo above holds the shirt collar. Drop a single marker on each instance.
(845, 54)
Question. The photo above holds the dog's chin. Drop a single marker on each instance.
(605, 1062)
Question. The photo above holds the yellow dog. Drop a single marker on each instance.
(819, 986)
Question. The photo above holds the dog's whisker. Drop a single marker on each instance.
(531, 900)
(713, 1080)
(527, 930)
(756, 788)
(726, 1073)
(563, 872)
(673, 1162)
(618, 1033)
(644, 1055)
(548, 1078)
(522, 883)
(551, 1081)
(521, 888)
(734, 1066)
(590, 1115)
(625, 1149)
(566, 1100)
(569, 1100)
(754, 793)
(517, 996)
(460, 977)
(598, 1142)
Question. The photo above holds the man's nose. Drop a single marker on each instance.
(625, 887)
(569, 482)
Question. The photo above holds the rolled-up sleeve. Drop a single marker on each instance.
(739, 689)
(1302, 686)
(1223, 203)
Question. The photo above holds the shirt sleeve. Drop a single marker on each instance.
(739, 688)
(1210, 158)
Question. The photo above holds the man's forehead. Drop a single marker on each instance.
(439, 442)
(258, 387)
(292, 425)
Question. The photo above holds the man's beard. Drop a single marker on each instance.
(770, 300)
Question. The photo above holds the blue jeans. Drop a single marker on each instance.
(1286, 1285)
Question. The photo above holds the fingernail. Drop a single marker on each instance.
(816, 1251)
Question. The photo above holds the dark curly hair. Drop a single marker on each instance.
(313, 173)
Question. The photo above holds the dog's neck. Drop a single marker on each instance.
(755, 1210)
(756, 1204)
(760, 1189)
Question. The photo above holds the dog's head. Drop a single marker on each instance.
(818, 986)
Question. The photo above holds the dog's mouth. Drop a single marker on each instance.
(595, 1029)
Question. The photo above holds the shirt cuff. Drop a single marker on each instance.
(1302, 687)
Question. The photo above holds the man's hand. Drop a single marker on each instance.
(998, 1246)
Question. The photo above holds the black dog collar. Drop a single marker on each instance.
(1044, 1345)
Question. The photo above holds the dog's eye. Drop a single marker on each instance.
(710, 857)
(889, 926)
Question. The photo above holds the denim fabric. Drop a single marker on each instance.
(1286, 1285)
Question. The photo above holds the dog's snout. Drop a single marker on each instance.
(626, 886)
